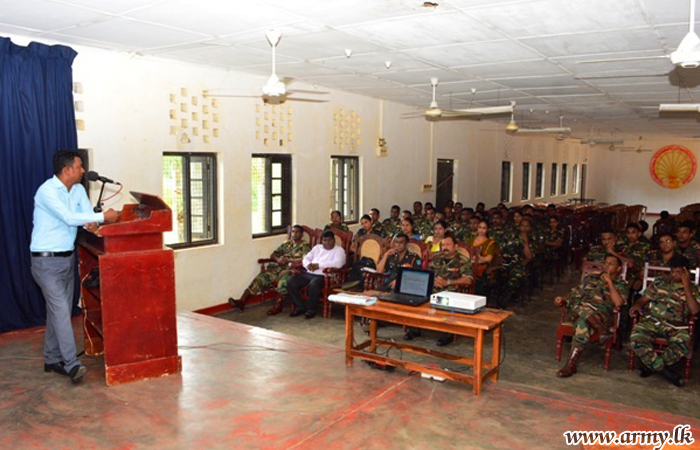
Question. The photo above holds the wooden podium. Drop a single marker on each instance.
(130, 312)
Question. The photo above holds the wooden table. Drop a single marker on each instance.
(477, 326)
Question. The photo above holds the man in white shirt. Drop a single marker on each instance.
(323, 256)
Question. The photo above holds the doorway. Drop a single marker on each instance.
(583, 180)
(445, 178)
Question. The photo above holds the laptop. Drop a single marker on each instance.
(413, 287)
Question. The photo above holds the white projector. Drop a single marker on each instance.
(454, 301)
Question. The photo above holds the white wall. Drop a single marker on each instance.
(127, 125)
(625, 177)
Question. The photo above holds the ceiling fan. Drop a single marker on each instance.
(561, 131)
(275, 89)
(435, 113)
(687, 55)
(638, 149)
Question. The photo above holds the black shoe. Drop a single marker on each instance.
(310, 314)
(645, 372)
(445, 339)
(57, 367)
(673, 377)
(236, 303)
(297, 312)
(77, 373)
(410, 334)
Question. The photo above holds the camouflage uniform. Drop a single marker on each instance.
(639, 252)
(279, 273)
(692, 252)
(392, 226)
(362, 232)
(392, 265)
(425, 228)
(666, 317)
(514, 271)
(597, 253)
(379, 230)
(552, 253)
(592, 300)
(341, 227)
(451, 268)
(501, 235)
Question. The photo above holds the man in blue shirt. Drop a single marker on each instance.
(60, 207)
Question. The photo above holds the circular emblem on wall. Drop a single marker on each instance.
(673, 166)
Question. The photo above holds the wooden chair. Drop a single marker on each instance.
(650, 274)
(421, 249)
(567, 328)
(371, 246)
(342, 238)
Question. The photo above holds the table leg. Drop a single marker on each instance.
(478, 351)
(373, 335)
(349, 337)
(496, 352)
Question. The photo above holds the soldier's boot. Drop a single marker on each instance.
(277, 308)
(240, 303)
(595, 323)
(672, 376)
(570, 367)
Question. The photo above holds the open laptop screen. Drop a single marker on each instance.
(414, 282)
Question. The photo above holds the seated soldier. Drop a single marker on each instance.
(497, 231)
(516, 255)
(591, 306)
(452, 270)
(480, 207)
(417, 210)
(325, 255)
(425, 226)
(406, 214)
(448, 214)
(392, 225)
(609, 245)
(470, 232)
(277, 272)
(398, 256)
(644, 226)
(667, 249)
(516, 217)
(458, 210)
(639, 252)
(665, 224)
(553, 239)
(686, 246)
(336, 222)
(376, 224)
(667, 304)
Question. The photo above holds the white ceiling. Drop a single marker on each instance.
(523, 50)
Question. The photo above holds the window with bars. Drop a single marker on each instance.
(564, 179)
(271, 194)
(575, 177)
(553, 180)
(345, 186)
(189, 188)
(506, 182)
(526, 181)
(539, 180)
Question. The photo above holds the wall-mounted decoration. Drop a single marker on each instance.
(78, 106)
(347, 130)
(271, 123)
(673, 166)
(190, 116)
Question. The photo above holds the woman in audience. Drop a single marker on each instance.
(517, 216)
(407, 229)
(336, 222)
(487, 247)
(439, 229)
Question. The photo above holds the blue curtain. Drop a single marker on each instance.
(36, 119)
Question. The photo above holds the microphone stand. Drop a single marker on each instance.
(98, 206)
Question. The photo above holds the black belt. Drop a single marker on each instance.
(53, 254)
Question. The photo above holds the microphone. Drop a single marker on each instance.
(94, 176)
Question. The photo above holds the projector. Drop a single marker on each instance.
(454, 301)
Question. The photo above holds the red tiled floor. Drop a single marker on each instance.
(244, 387)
